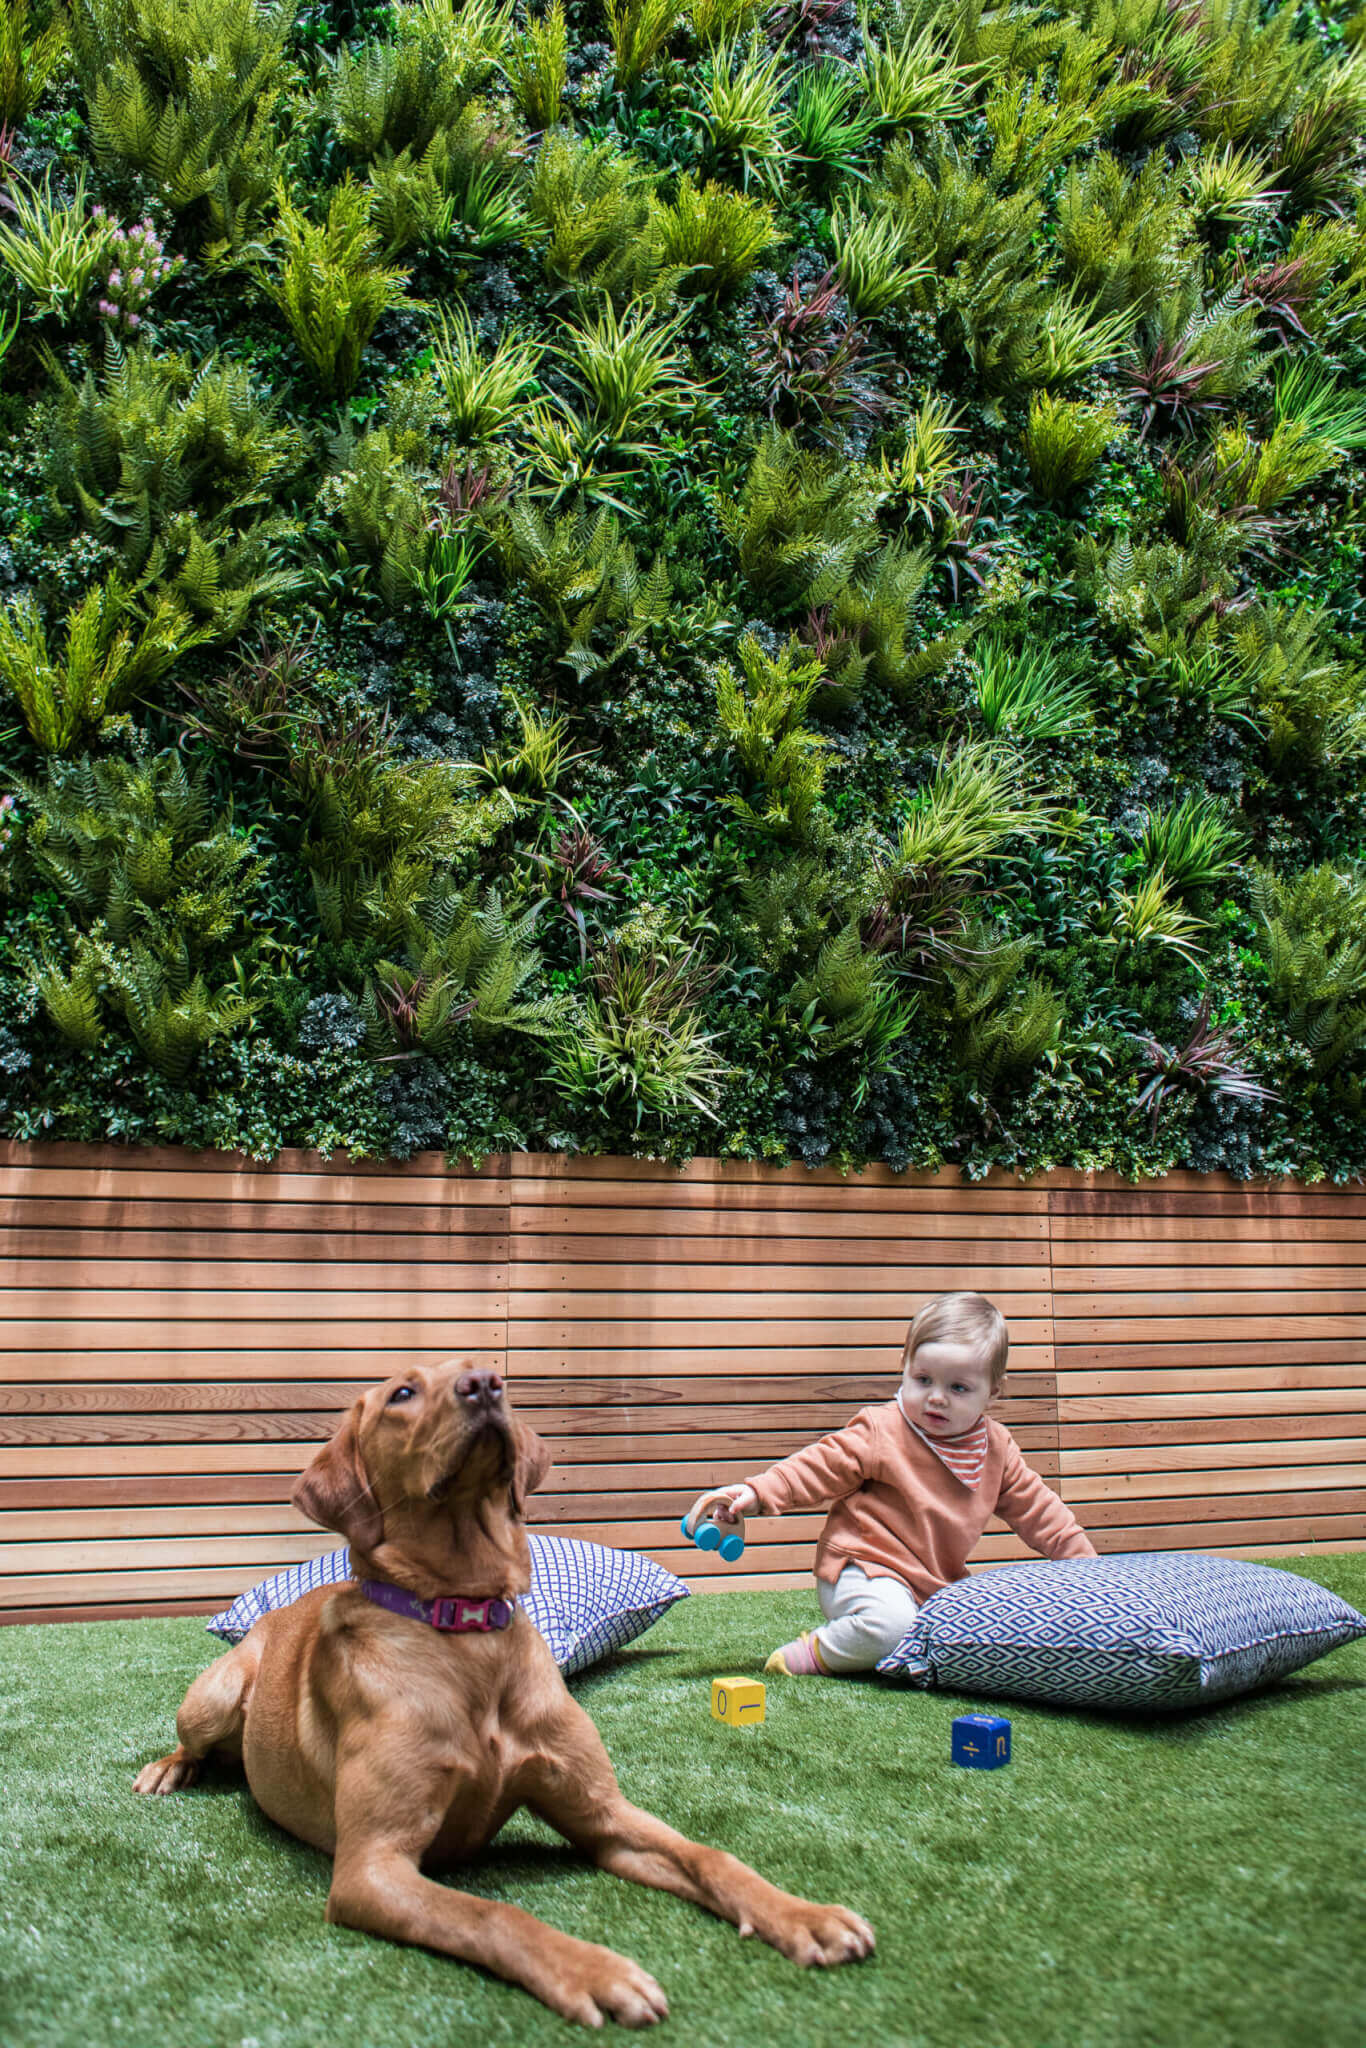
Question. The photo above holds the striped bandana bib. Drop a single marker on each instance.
(964, 1455)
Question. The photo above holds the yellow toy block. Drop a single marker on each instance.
(739, 1702)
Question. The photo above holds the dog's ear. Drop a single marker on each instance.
(531, 1463)
(335, 1491)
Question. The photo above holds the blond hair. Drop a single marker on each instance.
(963, 1319)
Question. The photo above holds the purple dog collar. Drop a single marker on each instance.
(451, 1613)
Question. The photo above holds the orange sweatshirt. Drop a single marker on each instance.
(898, 1510)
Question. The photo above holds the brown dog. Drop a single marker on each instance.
(389, 1743)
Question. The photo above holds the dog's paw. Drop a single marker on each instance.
(168, 1774)
(592, 1984)
(818, 1936)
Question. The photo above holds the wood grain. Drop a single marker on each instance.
(178, 1332)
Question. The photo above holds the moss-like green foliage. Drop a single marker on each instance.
(783, 578)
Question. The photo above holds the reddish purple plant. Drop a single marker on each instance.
(1205, 1063)
(812, 360)
(140, 267)
(807, 23)
(1281, 293)
(1171, 383)
(574, 868)
(965, 531)
(833, 646)
(462, 491)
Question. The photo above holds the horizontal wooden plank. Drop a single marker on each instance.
(397, 1332)
(639, 1421)
(804, 1275)
(1196, 1305)
(1196, 1227)
(530, 1333)
(282, 1303)
(530, 1202)
(1199, 1457)
(370, 1365)
(95, 1184)
(530, 1310)
(339, 1222)
(1205, 1379)
(1220, 1507)
(1212, 1481)
(1244, 1329)
(1278, 1401)
(1166, 1357)
(70, 1397)
(773, 1251)
(947, 1224)
(1201, 1429)
(173, 1275)
(1162, 1200)
(1106, 1262)
(605, 1489)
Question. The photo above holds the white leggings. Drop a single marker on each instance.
(865, 1619)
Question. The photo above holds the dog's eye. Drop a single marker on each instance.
(399, 1394)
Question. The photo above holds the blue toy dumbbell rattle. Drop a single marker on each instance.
(701, 1527)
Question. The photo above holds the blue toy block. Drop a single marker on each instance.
(981, 1742)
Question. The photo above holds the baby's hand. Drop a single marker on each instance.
(735, 1502)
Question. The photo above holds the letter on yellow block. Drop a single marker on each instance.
(737, 1701)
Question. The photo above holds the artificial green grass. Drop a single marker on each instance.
(1123, 1884)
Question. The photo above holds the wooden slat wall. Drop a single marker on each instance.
(176, 1332)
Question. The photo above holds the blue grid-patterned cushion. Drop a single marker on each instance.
(585, 1599)
(1165, 1630)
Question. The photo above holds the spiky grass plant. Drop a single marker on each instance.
(1073, 336)
(829, 130)
(1026, 692)
(713, 237)
(1308, 397)
(1149, 914)
(874, 259)
(1230, 188)
(536, 65)
(330, 284)
(741, 110)
(638, 30)
(1063, 442)
(922, 894)
(28, 58)
(636, 1046)
(913, 80)
(482, 395)
(921, 471)
(630, 373)
(1193, 842)
(55, 253)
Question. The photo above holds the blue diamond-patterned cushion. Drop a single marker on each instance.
(585, 1599)
(1141, 1630)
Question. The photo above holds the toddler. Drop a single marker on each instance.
(914, 1482)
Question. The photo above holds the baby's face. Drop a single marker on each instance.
(945, 1388)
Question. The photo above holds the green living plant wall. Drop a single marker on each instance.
(674, 575)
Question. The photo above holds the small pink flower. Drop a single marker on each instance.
(133, 320)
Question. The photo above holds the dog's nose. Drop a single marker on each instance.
(480, 1389)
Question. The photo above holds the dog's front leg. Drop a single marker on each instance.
(578, 1793)
(385, 1822)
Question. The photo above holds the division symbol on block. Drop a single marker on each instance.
(739, 1702)
(700, 1526)
(981, 1742)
